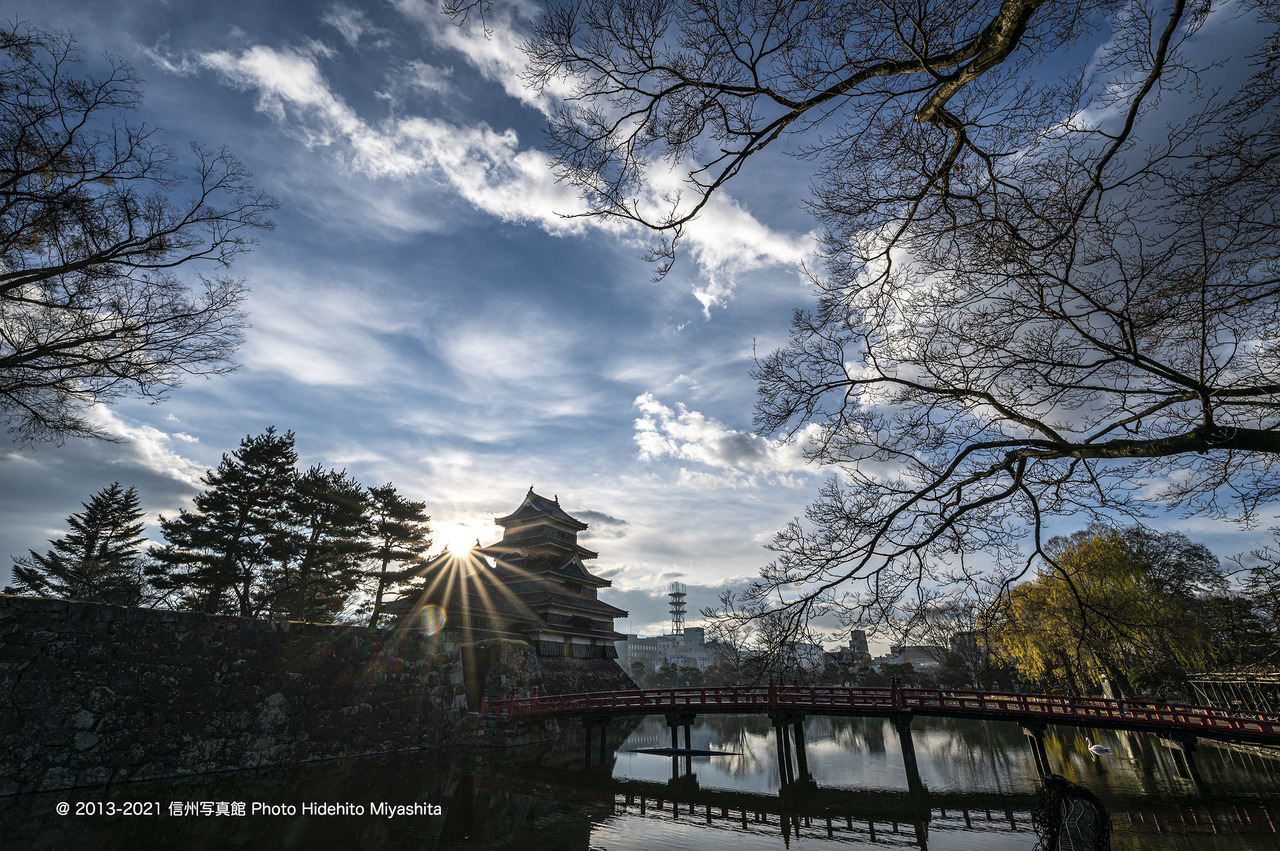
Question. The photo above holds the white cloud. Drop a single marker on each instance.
(486, 167)
(726, 241)
(181, 66)
(532, 374)
(736, 457)
(148, 447)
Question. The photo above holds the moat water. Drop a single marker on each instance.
(978, 786)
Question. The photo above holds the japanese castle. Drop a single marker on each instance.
(533, 585)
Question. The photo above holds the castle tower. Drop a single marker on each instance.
(540, 560)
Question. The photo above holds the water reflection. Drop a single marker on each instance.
(977, 787)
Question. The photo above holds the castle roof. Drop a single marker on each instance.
(513, 564)
(536, 506)
(581, 603)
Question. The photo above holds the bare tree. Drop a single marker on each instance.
(94, 221)
(1040, 296)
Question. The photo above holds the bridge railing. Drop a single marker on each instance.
(1162, 713)
(956, 703)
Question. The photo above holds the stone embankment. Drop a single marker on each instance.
(93, 694)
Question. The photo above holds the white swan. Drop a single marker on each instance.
(1097, 750)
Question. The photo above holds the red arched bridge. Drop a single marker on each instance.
(1140, 715)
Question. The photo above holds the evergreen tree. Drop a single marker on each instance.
(217, 555)
(400, 530)
(332, 524)
(99, 560)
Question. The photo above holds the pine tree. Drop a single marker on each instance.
(217, 556)
(99, 560)
(400, 536)
(332, 524)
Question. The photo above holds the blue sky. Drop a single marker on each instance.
(423, 315)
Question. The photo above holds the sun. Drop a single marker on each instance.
(458, 535)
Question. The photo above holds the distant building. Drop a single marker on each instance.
(532, 584)
(689, 648)
(857, 654)
(917, 655)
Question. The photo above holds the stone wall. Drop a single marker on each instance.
(91, 693)
(561, 675)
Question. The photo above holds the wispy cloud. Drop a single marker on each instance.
(323, 333)
(495, 50)
(148, 447)
(725, 241)
(517, 379)
(487, 167)
(353, 25)
(422, 76)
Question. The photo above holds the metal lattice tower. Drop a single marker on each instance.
(677, 608)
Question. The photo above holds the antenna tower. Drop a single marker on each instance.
(677, 608)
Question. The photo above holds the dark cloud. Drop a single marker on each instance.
(603, 526)
(650, 610)
(41, 486)
(740, 450)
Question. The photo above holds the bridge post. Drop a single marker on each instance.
(915, 786)
(802, 758)
(589, 724)
(902, 723)
(1034, 731)
(785, 773)
(676, 720)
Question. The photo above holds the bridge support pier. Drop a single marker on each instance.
(1034, 731)
(915, 786)
(589, 725)
(784, 755)
(802, 758)
(676, 720)
(788, 728)
(902, 723)
(1183, 746)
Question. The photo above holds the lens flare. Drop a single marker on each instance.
(431, 620)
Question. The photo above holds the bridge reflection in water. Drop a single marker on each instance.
(841, 814)
(1177, 727)
(1186, 809)
(975, 788)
